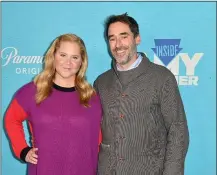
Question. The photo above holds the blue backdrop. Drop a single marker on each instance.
(184, 32)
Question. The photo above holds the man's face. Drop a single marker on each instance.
(122, 43)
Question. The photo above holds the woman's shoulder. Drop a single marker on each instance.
(26, 90)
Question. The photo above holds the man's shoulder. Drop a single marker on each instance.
(105, 75)
(160, 71)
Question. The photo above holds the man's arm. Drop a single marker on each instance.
(175, 121)
(95, 85)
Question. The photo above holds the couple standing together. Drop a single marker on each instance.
(131, 122)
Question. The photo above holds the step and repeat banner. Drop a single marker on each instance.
(178, 35)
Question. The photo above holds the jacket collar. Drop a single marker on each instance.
(125, 77)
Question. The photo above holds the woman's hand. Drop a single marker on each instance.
(31, 156)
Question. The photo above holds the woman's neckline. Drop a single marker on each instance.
(64, 89)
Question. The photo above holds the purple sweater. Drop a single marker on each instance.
(65, 132)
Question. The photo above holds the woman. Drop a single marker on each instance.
(63, 113)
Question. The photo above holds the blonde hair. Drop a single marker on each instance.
(44, 81)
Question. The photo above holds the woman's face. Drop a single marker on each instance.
(67, 60)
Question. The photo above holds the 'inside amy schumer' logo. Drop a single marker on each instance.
(167, 53)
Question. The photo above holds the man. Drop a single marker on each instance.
(144, 127)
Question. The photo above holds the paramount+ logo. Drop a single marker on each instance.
(167, 52)
(21, 64)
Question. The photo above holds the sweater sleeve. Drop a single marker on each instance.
(97, 91)
(14, 118)
(175, 121)
(95, 86)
